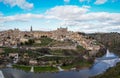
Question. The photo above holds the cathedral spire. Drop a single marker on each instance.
(31, 29)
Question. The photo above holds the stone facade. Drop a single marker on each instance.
(33, 62)
(60, 33)
(39, 34)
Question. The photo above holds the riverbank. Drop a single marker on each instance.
(36, 68)
(113, 72)
(76, 66)
(97, 68)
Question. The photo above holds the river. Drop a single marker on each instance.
(100, 66)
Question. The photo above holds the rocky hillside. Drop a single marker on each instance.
(110, 40)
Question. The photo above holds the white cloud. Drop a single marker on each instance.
(67, 12)
(82, 18)
(23, 4)
(67, 1)
(100, 1)
(20, 17)
(76, 13)
(74, 16)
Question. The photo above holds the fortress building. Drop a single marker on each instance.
(58, 34)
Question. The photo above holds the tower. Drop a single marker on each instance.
(31, 29)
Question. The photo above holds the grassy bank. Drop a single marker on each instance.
(36, 68)
(22, 67)
(78, 65)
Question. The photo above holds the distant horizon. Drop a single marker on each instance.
(87, 16)
(56, 29)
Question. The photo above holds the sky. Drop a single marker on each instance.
(88, 16)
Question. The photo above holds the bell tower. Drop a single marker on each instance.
(31, 29)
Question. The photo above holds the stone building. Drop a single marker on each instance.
(33, 62)
(39, 34)
(60, 34)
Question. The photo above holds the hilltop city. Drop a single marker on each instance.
(48, 49)
(15, 37)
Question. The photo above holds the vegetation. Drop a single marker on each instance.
(10, 50)
(78, 65)
(80, 48)
(44, 41)
(110, 40)
(29, 42)
(113, 72)
(66, 52)
(61, 43)
(22, 67)
(36, 68)
(47, 58)
(65, 57)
